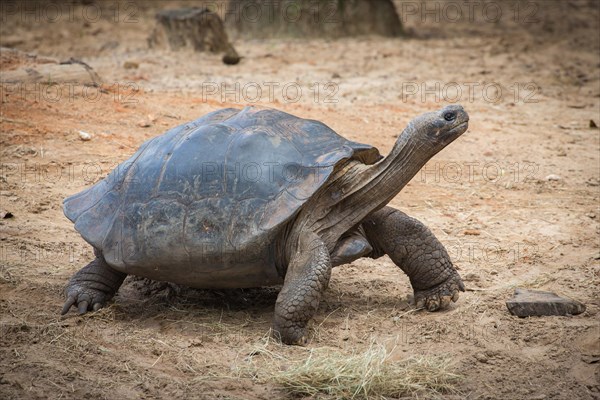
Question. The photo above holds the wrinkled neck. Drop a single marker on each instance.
(384, 180)
(357, 190)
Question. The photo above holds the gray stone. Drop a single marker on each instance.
(530, 303)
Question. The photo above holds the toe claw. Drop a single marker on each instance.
(83, 307)
(420, 303)
(70, 301)
(455, 297)
(303, 341)
(440, 296)
(433, 304)
(445, 301)
(97, 306)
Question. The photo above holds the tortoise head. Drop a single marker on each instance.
(435, 130)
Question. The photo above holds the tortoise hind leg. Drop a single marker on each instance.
(92, 286)
(413, 248)
(306, 278)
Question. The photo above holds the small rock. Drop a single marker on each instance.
(85, 136)
(530, 303)
(5, 214)
(553, 177)
(145, 123)
(481, 358)
(488, 153)
(335, 75)
(130, 65)
(593, 182)
(472, 232)
(590, 359)
(593, 124)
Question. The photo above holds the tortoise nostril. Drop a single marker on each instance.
(450, 116)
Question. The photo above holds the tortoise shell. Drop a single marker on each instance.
(203, 203)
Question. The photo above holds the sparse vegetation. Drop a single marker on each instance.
(362, 374)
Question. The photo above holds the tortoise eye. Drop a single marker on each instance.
(450, 116)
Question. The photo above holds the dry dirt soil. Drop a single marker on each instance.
(515, 199)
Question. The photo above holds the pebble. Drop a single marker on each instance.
(85, 136)
(5, 214)
(146, 123)
(553, 177)
(130, 65)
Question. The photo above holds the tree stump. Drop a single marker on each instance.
(196, 29)
(312, 18)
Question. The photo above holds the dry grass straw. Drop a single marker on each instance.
(367, 374)
(539, 281)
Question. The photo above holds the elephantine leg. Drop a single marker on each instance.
(92, 286)
(413, 248)
(306, 278)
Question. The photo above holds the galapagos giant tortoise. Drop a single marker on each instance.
(258, 197)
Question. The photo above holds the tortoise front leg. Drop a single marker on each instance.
(413, 248)
(306, 278)
(92, 286)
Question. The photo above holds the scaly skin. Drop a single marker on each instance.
(413, 248)
(92, 286)
(307, 277)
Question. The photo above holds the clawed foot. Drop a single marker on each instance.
(440, 296)
(290, 333)
(92, 286)
(84, 298)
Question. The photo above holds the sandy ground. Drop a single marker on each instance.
(515, 200)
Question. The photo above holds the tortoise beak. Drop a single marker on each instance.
(459, 129)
